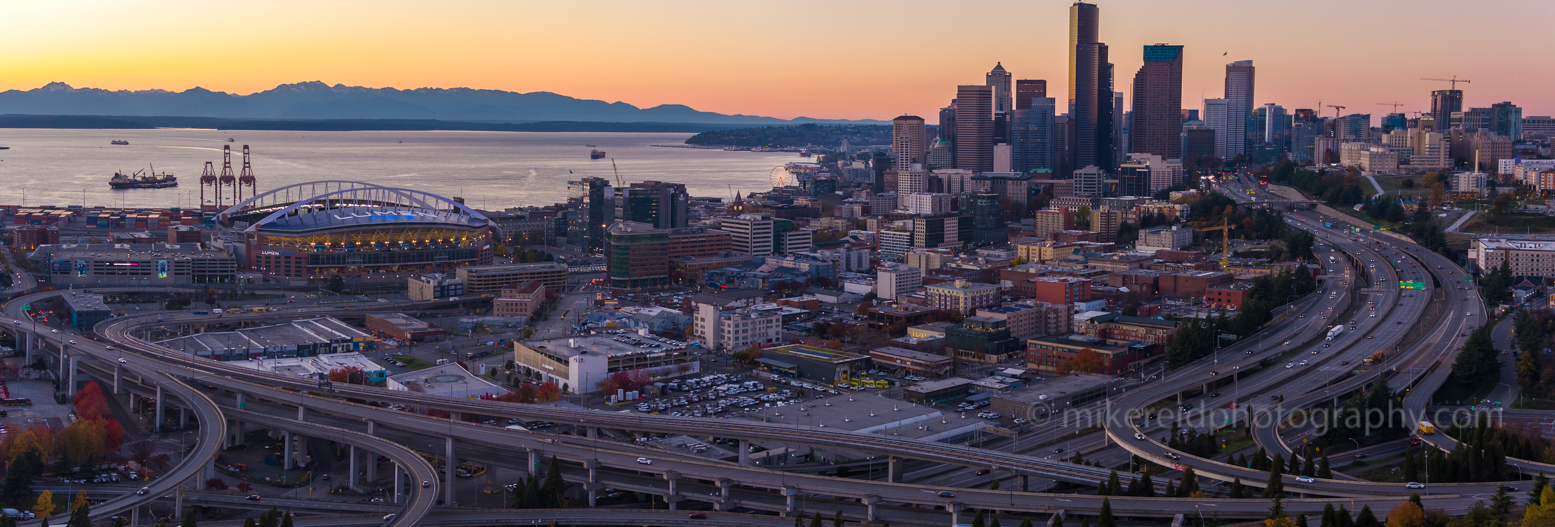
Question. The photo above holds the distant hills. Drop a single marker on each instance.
(314, 101)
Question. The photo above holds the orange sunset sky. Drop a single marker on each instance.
(826, 59)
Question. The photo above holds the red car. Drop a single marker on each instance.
(697, 516)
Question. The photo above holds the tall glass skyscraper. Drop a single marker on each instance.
(1031, 135)
(1157, 126)
(1090, 90)
(1239, 105)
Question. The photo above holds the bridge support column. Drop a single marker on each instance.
(242, 401)
(593, 483)
(352, 481)
(116, 380)
(1025, 482)
(448, 470)
(1056, 517)
(372, 457)
(723, 494)
(158, 425)
(790, 497)
(893, 469)
(134, 404)
(534, 462)
(869, 502)
(286, 451)
(673, 498)
(302, 413)
(593, 432)
(955, 512)
(745, 452)
(183, 417)
(399, 484)
(178, 503)
(1179, 521)
(135, 516)
(75, 362)
(63, 362)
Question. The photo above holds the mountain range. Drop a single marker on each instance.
(319, 101)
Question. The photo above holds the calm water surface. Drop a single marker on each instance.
(491, 170)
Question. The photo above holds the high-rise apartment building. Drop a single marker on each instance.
(1031, 136)
(1443, 104)
(637, 255)
(591, 208)
(1090, 90)
(1088, 182)
(1028, 89)
(1215, 118)
(974, 128)
(1506, 119)
(999, 80)
(907, 142)
(1197, 140)
(662, 205)
(1157, 119)
(751, 233)
(1239, 105)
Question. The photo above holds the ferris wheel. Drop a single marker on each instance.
(781, 177)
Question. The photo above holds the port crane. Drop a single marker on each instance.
(1453, 82)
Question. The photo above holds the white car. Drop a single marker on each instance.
(1290, 365)
(1414, 485)
(1305, 479)
(1303, 363)
(644, 461)
(122, 361)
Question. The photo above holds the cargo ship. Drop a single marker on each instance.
(140, 179)
(596, 154)
(118, 142)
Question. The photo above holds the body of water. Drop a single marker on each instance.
(492, 170)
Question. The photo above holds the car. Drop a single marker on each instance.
(1344, 363)
(390, 516)
(1231, 406)
(426, 484)
(253, 497)
(1058, 451)
(1305, 479)
(142, 491)
(946, 494)
(1138, 436)
(1414, 485)
(1216, 394)
(1509, 488)
(1369, 337)
(122, 361)
(644, 461)
(1314, 352)
(1290, 365)
(1468, 313)
(1287, 343)
(56, 331)
(1360, 455)
(983, 472)
(324, 477)
(72, 341)
(697, 515)
(1213, 373)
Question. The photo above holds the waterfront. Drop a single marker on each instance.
(489, 169)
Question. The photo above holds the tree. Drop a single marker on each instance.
(188, 520)
(554, 485)
(1500, 506)
(1406, 514)
(836, 519)
(1539, 483)
(1323, 471)
(45, 505)
(1277, 509)
(1328, 516)
(336, 284)
(1237, 490)
(978, 520)
(1276, 485)
(815, 521)
(216, 484)
(1105, 519)
(1366, 518)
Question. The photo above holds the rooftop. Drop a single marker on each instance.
(938, 384)
(608, 345)
(311, 366)
(126, 251)
(1050, 388)
(82, 301)
(913, 355)
(538, 266)
(811, 352)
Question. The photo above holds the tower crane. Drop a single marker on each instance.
(617, 172)
(1337, 110)
(1225, 240)
(1395, 105)
(1453, 82)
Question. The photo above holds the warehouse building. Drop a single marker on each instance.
(298, 338)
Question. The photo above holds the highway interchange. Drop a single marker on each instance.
(1420, 339)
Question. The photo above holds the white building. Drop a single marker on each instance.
(582, 364)
(1163, 172)
(752, 233)
(893, 280)
(1470, 182)
(1525, 169)
(739, 329)
(1526, 256)
(927, 203)
(1088, 182)
(1164, 238)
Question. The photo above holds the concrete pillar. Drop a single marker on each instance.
(1179, 521)
(673, 498)
(448, 470)
(534, 462)
(183, 417)
(116, 376)
(723, 494)
(791, 497)
(352, 480)
(399, 484)
(894, 469)
(1025, 482)
(73, 362)
(955, 512)
(158, 425)
(302, 413)
(134, 403)
(372, 457)
(745, 452)
(1056, 517)
(593, 432)
(870, 501)
(178, 503)
(593, 483)
(62, 362)
(135, 516)
(286, 451)
(241, 400)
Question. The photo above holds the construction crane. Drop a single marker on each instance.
(1395, 105)
(1337, 110)
(1453, 82)
(1225, 240)
(618, 173)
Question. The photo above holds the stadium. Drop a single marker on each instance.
(356, 230)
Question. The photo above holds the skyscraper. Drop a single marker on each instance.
(999, 80)
(907, 142)
(974, 128)
(947, 130)
(1443, 104)
(591, 207)
(1028, 89)
(1239, 106)
(1215, 119)
(1031, 136)
(1157, 126)
(1506, 119)
(1090, 90)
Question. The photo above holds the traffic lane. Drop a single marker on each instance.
(1507, 389)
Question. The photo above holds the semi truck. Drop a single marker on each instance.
(1335, 332)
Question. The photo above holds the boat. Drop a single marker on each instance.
(597, 154)
(142, 179)
(229, 140)
(5, 148)
(118, 142)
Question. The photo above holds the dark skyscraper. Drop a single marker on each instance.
(974, 128)
(1028, 89)
(1239, 105)
(1031, 136)
(1090, 90)
(1443, 103)
(1157, 127)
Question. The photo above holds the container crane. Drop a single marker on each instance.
(1453, 82)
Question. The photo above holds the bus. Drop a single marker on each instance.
(1427, 428)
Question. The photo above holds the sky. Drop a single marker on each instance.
(849, 59)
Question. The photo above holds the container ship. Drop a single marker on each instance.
(140, 179)
(596, 154)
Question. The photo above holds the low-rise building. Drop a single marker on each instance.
(1117, 328)
(1164, 238)
(929, 365)
(1228, 296)
(938, 391)
(812, 363)
(297, 338)
(1524, 255)
(982, 340)
(136, 264)
(450, 380)
(521, 301)
(962, 296)
(893, 280)
(1059, 289)
(434, 286)
(581, 364)
(86, 309)
(404, 328)
(490, 279)
(1027, 318)
(886, 315)
(1052, 399)
(1059, 354)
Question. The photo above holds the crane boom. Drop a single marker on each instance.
(617, 172)
(1395, 105)
(1453, 82)
(1225, 240)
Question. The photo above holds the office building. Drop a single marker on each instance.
(434, 286)
(1031, 137)
(1443, 104)
(1105, 222)
(581, 365)
(930, 204)
(404, 328)
(974, 128)
(1198, 140)
(982, 340)
(519, 300)
(1216, 119)
(750, 234)
(1157, 116)
(1028, 89)
(637, 256)
(1053, 354)
(1088, 182)
(934, 232)
(657, 204)
(986, 216)
(999, 80)
(947, 136)
(907, 142)
(961, 296)
(893, 280)
(490, 279)
(1353, 128)
(1164, 238)
(1525, 255)
(1090, 90)
(591, 203)
(1048, 221)
(1239, 105)
(1506, 119)
(1155, 173)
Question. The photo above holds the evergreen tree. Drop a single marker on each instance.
(1322, 468)
(1237, 490)
(1171, 488)
(837, 521)
(1328, 516)
(1533, 494)
(978, 520)
(1276, 485)
(1105, 519)
(1500, 505)
(1277, 510)
(1146, 486)
(188, 520)
(815, 521)
(1366, 518)
(1133, 487)
(1058, 521)
(1113, 486)
(1414, 497)
(1301, 520)
(249, 522)
(1411, 467)
(286, 520)
(995, 521)
(1190, 484)
(271, 518)
(554, 485)
(1342, 518)
(1295, 465)
(1027, 522)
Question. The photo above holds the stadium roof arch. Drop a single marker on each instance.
(348, 204)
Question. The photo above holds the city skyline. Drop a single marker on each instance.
(766, 61)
